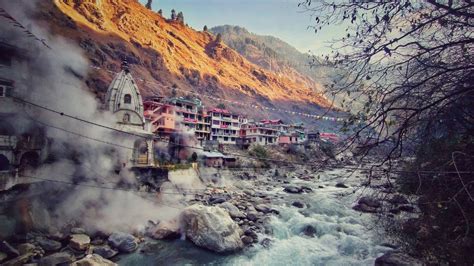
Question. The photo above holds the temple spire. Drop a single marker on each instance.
(125, 66)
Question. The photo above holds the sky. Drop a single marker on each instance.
(279, 18)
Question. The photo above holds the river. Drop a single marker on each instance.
(342, 236)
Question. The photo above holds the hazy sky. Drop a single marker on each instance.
(280, 18)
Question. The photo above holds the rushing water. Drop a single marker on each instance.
(343, 236)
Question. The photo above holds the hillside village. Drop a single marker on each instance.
(184, 123)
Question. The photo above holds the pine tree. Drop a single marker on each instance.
(205, 28)
(173, 14)
(180, 17)
(148, 4)
(219, 37)
(160, 12)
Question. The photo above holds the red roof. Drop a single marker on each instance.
(269, 121)
(221, 111)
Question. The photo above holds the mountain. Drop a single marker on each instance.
(167, 54)
(273, 54)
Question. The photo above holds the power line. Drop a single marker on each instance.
(228, 153)
(81, 135)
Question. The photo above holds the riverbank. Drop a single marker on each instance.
(304, 215)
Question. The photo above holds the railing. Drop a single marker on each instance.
(8, 141)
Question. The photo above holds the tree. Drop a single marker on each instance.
(219, 38)
(411, 63)
(221, 106)
(180, 18)
(160, 12)
(148, 4)
(173, 14)
(205, 28)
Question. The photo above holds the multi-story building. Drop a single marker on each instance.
(23, 144)
(259, 133)
(225, 126)
(178, 115)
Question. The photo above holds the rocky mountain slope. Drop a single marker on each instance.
(274, 54)
(167, 54)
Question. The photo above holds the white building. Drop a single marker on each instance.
(225, 127)
(125, 102)
(259, 133)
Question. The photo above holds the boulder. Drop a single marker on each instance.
(369, 201)
(233, 211)
(247, 240)
(263, 208)
(341, 185)
(211, 228)
(79, 241)
(292, 190)
(396, 259)
(63, 258)
(94, 260)
(298, 204)
(253, 216)
(165, 230)
(398, 199)
(123, 242)
(309, 230)
(266, 243)
(218, 199)
(26, 248)
(252, 234)
(48, 244)
(104, 251)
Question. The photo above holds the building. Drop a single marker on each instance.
(331, 137)
(289, 138)
(313, 137)
(23, 144)
(189, 111)
(259, 133)
(178, 115)
(225, 126)
(124, 101)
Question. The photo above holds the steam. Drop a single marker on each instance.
(55, 78)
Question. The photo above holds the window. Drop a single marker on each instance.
(127, 98)
(126, 118)
(226, 138)
(3, 91)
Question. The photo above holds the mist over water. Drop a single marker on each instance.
(342, 236)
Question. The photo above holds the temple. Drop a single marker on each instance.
(124, 101)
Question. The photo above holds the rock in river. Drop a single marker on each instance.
(211, 228)
(104, 251)
(123, 242)
(396, 259)
(80, 241)
(234, 212)
(165, 230)
(293, 189)
(298, 204)
(48, 244)
(61, 258)
(93, 260)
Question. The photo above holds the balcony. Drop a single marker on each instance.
(8, 142)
